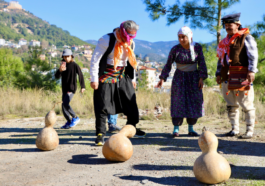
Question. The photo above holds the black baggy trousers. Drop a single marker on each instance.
(114, 98)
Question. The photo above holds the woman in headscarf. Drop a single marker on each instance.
(187, 84)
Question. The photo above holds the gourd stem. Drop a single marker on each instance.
(56, 104)
(204, 129)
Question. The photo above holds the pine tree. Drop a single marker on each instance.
(206, 16)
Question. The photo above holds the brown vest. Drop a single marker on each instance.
(238, 55)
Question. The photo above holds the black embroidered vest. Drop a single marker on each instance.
(103, 62)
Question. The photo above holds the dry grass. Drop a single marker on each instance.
(34, 103)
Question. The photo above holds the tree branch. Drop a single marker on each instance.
(261, 60)
(190, 14)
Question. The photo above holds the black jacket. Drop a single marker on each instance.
(69, 77)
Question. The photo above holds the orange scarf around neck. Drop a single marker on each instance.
(118, 51)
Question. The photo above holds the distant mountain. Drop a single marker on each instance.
(93, 42)
(156, 51)
(17, 24)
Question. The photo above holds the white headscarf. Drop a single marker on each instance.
(187, 32)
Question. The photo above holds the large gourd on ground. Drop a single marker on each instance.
(47, 138)
(118, 147)
(210, 167)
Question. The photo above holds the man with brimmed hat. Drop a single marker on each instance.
(236, 68)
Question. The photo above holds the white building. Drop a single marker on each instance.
(87, 46)
(34, 43)
(16, 46)
(88, 52)
(54, 47)
(23, 42)
(53, 54)
(151, 76)
(65, 46)
(2, 42)
(173, 69)
(75, 48)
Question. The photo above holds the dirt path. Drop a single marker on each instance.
(158, 159)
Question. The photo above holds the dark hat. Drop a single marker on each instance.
(231, 18)
(67, 52)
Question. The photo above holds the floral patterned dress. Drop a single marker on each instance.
(186, 97)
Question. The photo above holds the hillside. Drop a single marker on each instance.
(17, 24)
(156, 51)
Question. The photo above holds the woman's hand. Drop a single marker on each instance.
(82, 90)
(94, 85)
(201, 83)
(160, 83)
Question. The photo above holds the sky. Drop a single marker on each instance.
(91, 19)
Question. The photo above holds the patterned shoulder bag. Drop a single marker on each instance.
(237, 79)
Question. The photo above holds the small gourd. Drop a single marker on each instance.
(118, 147)
(47, 138)
(210, 167)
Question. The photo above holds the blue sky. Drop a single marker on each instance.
(90, 19)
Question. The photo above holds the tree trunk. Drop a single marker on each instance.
(219, 22)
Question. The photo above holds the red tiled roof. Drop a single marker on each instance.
(145, 68)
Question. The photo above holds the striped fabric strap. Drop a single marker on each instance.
(112, 76)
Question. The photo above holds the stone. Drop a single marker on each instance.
(144, 181)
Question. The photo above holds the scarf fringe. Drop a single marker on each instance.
(118, 51)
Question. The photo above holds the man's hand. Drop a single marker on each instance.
(200, 83)
(218, 80)
(134, 84)
(160, 83)
(251, 76)
(94, 85)
(82, 90)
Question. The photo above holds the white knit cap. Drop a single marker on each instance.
(187, 32)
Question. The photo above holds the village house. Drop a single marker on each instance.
(34, 43)
(148, 64)
(53, 53)
(151, 75)
(66, 46)
(6, 10)
(87, 47)
(146, 59)
(53, 47)
(172, 72)
(22, 42)
(87, 52)
(75, 48)
(16, 45)
(2, 42)
(42, 57)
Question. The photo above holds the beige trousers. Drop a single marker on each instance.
(245, 101)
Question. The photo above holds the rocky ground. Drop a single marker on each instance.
(158, 158)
